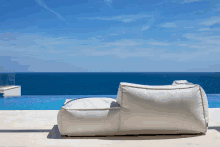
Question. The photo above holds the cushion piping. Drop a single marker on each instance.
(203, 106)
(161, 88)
(94, 109)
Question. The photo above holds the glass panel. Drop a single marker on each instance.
(7, 79)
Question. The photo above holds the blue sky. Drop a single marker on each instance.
(110, 35)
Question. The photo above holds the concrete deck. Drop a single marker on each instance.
(36, 128)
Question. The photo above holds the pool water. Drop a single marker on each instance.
(213, 100)
(40, 102)
(55, 102)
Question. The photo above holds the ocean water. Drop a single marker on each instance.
(106, 83)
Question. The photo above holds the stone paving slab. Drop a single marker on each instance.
(39, 128)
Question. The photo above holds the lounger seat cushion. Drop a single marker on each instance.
(89, 117)
(138, 109)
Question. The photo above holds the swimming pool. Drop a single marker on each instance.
(55, 102)
(40, 102)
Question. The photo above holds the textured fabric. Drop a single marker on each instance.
(89, 117)
(139, 109)
(205, 103)
(91, 103)
(177, 82)
(165, 87)
(204, 97)
(167, 108)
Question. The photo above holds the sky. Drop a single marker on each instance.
(109, 36)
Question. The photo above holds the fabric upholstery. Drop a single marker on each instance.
(89, 117)
(139, 109)
(174, 109)
(177, 82)
(204, 98)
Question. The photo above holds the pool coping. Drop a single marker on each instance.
(39, 128)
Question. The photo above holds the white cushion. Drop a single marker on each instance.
(177, 82)
(204, 98)
(161, 109)
(89, 117)
(91, 103)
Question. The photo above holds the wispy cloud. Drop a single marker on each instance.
(108, 2)
(123, 53)
(145, 28)
(209, 29)
(158, 43)
(169, 25)
(123, 18)
(185, 56)
(189, 27)
(204, 29)
(197, 46)
(186, 1)
(211, 21)
(190, 1)
(182, 44)
(218, 8)
(212, 42)
(127, 20)
(41, 3)
(121, 43)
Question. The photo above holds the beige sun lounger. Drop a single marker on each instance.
(181, 108)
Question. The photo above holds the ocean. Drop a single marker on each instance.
(101, 83)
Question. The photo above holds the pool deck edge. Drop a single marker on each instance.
(39, 128)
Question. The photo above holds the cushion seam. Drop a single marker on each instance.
(159, 88)
(93, 109)
(203, 106)
(119, 121)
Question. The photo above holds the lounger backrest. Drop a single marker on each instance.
(183, 104)
(178, 82)
(122, 88)
(203, 94)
